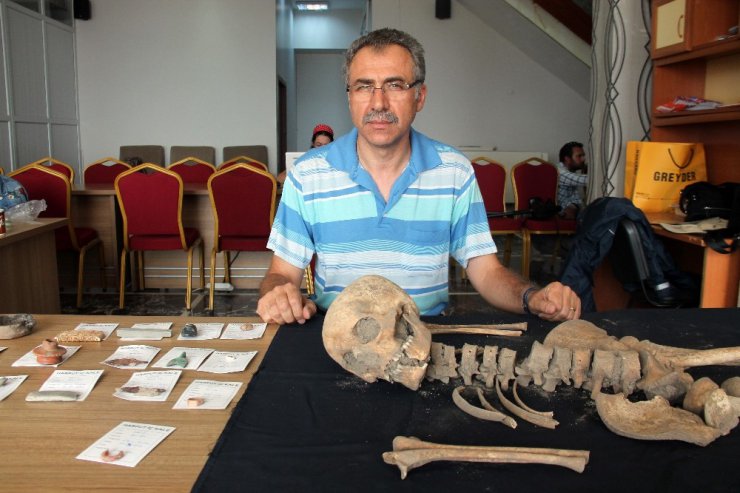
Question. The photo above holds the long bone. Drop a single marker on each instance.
(409, 453)
(511, 330)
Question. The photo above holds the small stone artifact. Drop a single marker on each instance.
(142, 391)
(49, 352)
(108, 456)
(80, 336)
(16, 325)
(52, 396)
(195, 402)
(125, 362)
(181, 361)
(189, 330)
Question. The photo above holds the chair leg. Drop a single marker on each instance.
(140, 259)
(507, 249)
(122, 279)
(227, 266)
(189, 282)
(202, 265)
(526, 250)
(101, 253)
(80, 275)
(212, 278)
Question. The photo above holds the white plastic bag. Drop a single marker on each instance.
(26, 212)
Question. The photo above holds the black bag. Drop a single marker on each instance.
(703, 200)
(542, 209)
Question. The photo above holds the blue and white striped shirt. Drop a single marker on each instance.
(332, 207)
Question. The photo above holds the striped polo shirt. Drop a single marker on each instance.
(331, 207)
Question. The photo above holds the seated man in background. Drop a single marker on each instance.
(387, 200)
(571, 184)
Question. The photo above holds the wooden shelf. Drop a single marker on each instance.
(688, 117)
(711, 50)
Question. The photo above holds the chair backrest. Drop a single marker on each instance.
(258, 152)
(204, 153)
(243, 201)
(57, 166)
(43, 183)
(534, 178)
(147, 154)
(104, 171)
(245, 160)
(193, 170)
(491, 177)
(150, 199)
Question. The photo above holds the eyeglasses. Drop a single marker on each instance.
(393, 89)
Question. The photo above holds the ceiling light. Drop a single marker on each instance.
(312, 5)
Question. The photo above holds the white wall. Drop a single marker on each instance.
(183, 72)
(484, 91)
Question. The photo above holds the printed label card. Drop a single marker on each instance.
(207, 394)
(228, 361)
(204, 331)
(126, 444)
(244, 331)
(186, 358)
(132, 357)
(80, 382)
(148, 386)
(9, 384)
(29, 359)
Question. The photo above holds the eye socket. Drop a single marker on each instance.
(367, 329)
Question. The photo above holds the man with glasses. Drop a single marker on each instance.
(571, 183)
(387, 200)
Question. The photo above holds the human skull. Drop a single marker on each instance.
(373, 330)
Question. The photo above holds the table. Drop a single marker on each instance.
(96, 207)
(41, 440)
(28, 267)
(307, 425)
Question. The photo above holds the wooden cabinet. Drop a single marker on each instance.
(695, 54)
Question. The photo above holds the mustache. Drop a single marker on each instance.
(383, 116)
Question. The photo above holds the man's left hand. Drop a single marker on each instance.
(555, 302)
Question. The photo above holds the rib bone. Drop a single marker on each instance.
(485, 414)
(409, 453)
(511, 330)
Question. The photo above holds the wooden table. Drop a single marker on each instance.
(40, 440)
(28, 267)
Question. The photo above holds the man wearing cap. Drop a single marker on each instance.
(385, 199)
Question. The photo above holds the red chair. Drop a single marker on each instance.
(150, 199)
(104, 171)
(58, 166)
(246, 160)
(239, 224)
(193, 170)
(532, 178)
(491, 177)
(42, 182)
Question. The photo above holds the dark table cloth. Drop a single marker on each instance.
(307, 425)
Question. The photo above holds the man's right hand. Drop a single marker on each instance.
(285, 304)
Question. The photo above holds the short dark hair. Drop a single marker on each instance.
(567, 149)
(382, 38)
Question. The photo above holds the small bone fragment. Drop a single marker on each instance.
(442, 365)
(732, 386)
(521, 404)
(52, 396)
(476, 412)
(107, 456)
(408, 458)
(535, 364)
(80, 336)
(506, 361)
(511, 330)
(142, 391)
(559, 369)
(534, 418)
(671, 384)
(719, 412)
(630, 372)
(652, 420)
(147, 333)
(508, 421)
(488, 367)
(468, 363)
(579, 367)
(697, 395)
(125, 362)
